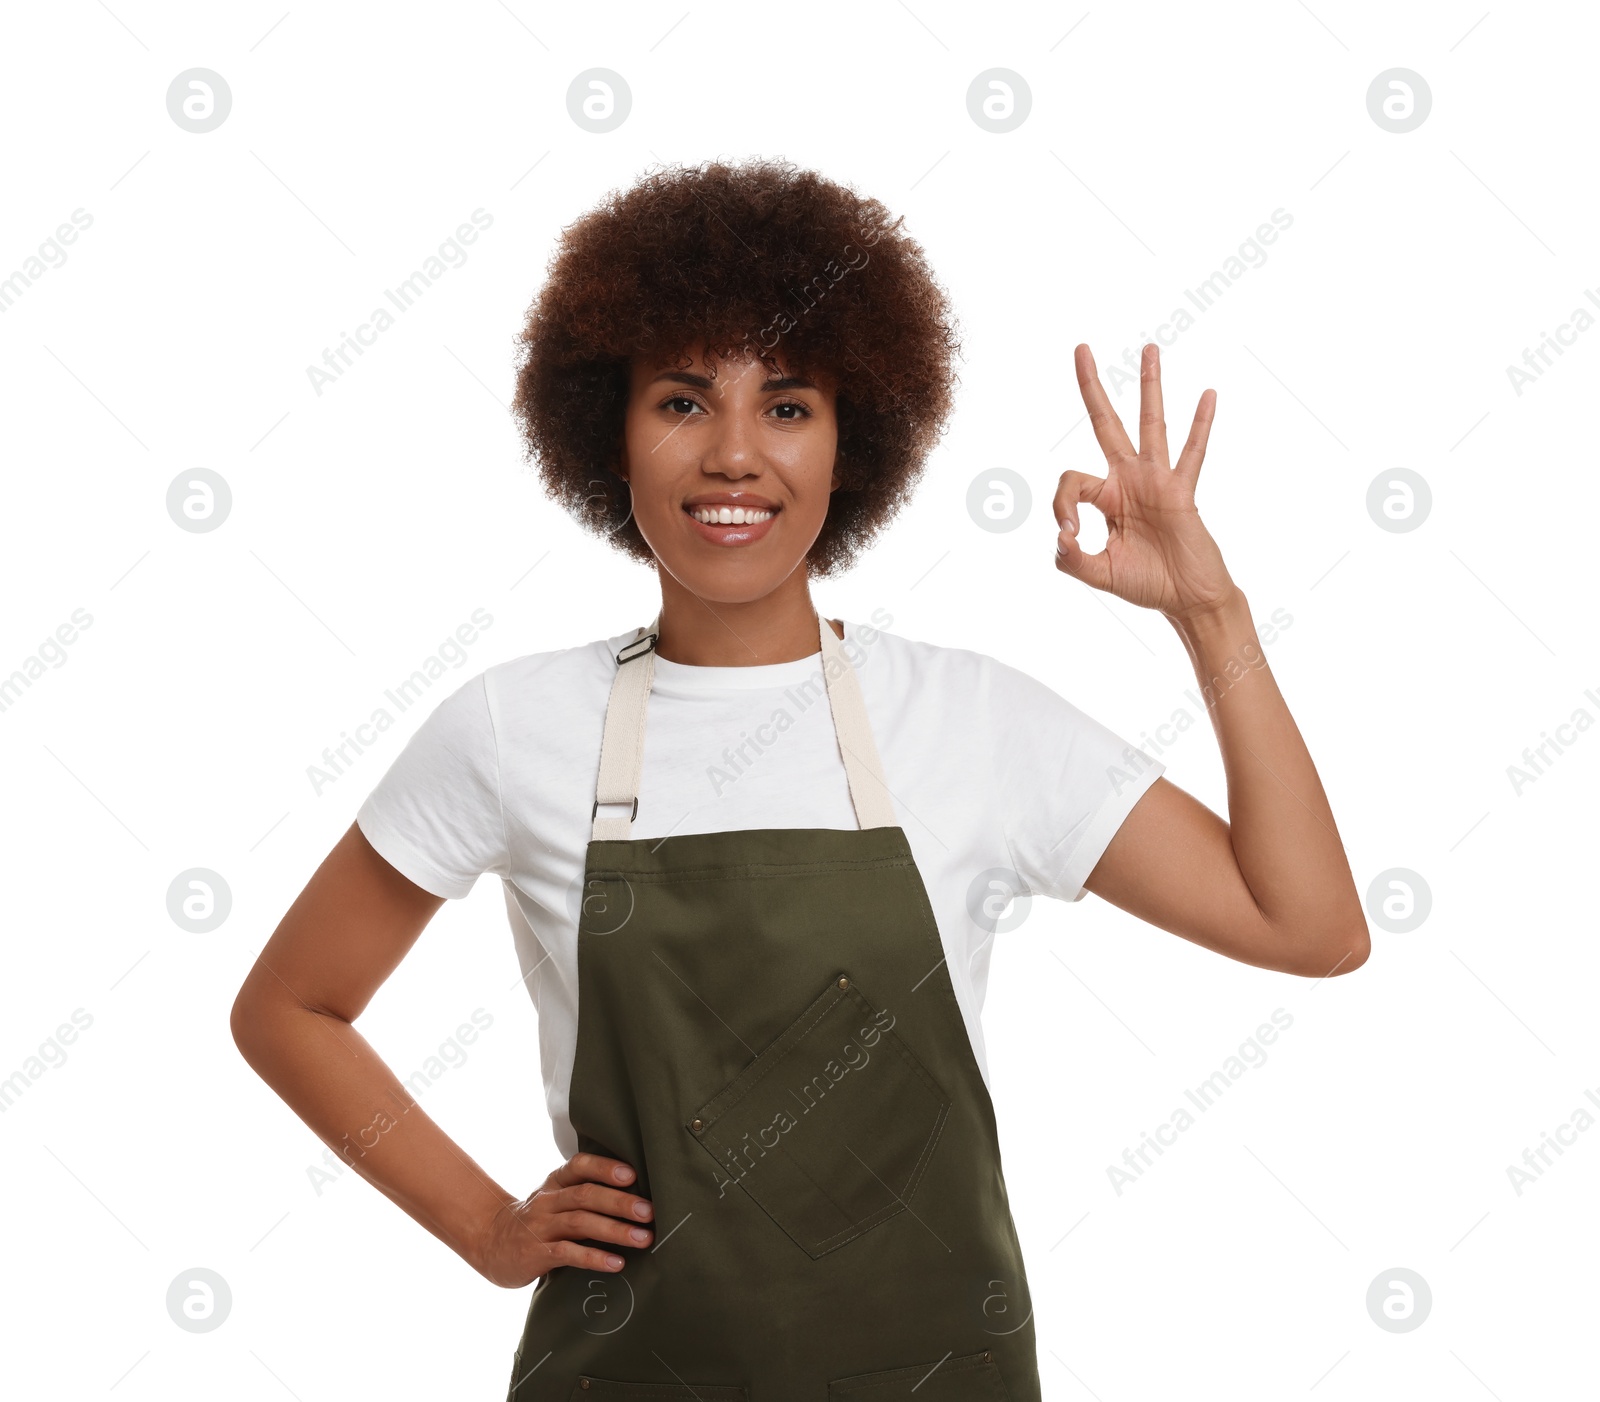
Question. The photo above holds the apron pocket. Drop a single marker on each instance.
(604, 1388)
(972, 1378)
(830, 1128)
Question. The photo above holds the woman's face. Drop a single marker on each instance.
(751, 451)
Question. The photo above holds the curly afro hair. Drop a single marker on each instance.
(744, 259)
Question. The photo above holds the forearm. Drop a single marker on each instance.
(1281, 826)
(330, 1076)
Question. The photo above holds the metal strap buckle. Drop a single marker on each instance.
(631, 817)
(649, 643)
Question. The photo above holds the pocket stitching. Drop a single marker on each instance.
(838, 996)
(987, 1366)
(832, 996)
(664, 1391)
(706, 1112)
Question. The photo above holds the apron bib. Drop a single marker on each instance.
(767, 1033)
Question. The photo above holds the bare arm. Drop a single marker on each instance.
(1271, 886)
(344, 935)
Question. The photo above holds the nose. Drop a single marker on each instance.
(732, 448)
(731, 451)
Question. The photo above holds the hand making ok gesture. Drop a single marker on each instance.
(1157, 553)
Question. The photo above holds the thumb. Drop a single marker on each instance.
(1071, 558)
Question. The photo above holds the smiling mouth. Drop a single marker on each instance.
(729, 515)
(731, 526)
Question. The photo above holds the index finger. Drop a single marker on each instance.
(1107, 426)
(593, 1168)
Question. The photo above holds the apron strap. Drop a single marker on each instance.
(622, 744)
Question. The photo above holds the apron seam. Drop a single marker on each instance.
(758, 871)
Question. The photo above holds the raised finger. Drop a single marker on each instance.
(1152, 418)
(1103, 418)
(1194, 451)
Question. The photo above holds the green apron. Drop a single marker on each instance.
(767, 1033)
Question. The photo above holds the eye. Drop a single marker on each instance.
(679, 399)
(805, 410)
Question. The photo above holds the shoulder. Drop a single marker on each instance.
(470, 716)
(875, 650)
(944, 674)
(556, 673)
(963, 699)
(543, 703)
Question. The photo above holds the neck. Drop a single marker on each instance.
(701, 632)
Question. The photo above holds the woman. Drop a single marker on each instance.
(756, 929)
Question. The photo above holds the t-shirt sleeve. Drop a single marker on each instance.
(1066, 782)
(436, 815)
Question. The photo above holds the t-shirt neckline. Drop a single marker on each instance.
(684, 677)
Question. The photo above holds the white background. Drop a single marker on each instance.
(369, 522)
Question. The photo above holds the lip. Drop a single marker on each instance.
(731, 499)
(731, 535)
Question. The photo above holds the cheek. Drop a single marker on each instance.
(653, 456)
(817, 487)
(808, 470)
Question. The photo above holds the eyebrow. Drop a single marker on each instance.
(684, 377)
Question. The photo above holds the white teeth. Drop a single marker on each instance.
(728, 515)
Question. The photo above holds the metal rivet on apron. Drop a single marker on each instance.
(583, 1382)
(985, 1359)
(844, 982)
(697, 1125)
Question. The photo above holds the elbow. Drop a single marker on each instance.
(1334, 955)
(245, 1022)
(240, 1021)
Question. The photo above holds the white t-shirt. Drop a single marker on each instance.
(1000, 784)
